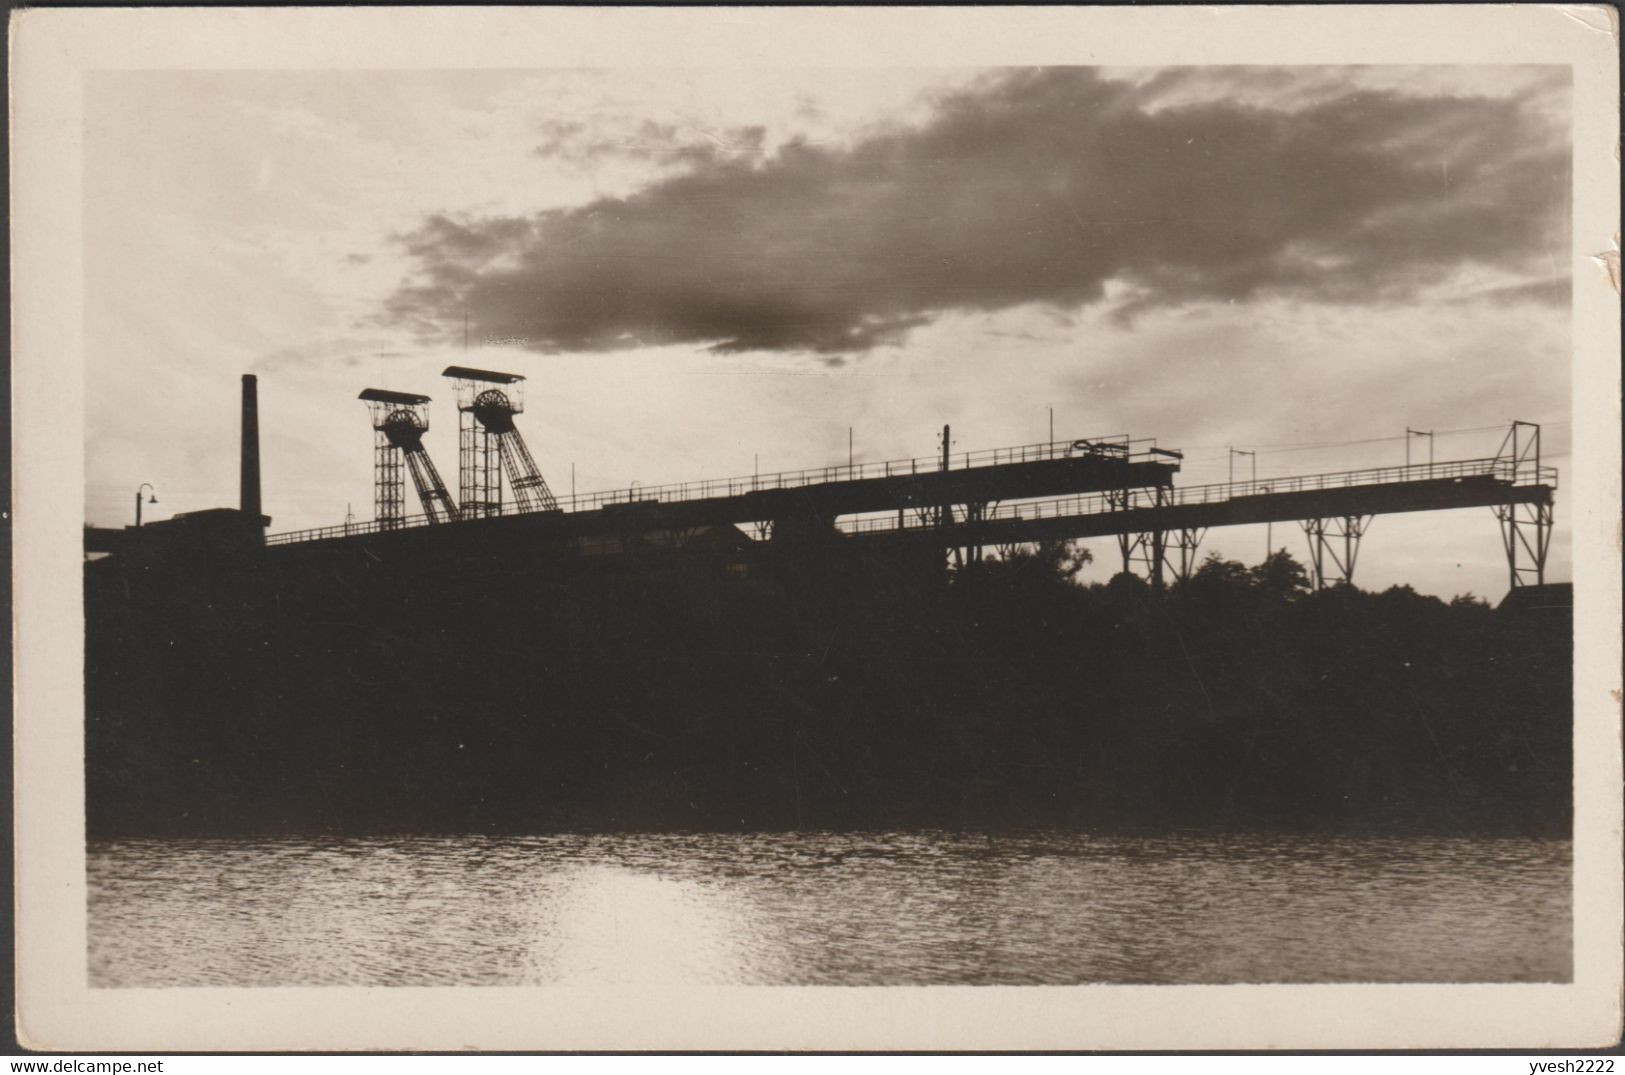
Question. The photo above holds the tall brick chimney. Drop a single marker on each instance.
(250, 487)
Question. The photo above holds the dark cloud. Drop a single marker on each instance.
(1036, 186)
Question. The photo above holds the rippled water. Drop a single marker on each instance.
(820, 908)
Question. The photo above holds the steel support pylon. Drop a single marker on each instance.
(1144, 553)
(1334, 545)
(1148, 550)
(1187, 540)
(1158, 554)
(975, 512)
(1526, 534)
(1526, 529)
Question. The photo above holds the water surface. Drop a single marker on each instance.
(827, 909)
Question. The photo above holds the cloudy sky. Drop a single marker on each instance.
(705, 271)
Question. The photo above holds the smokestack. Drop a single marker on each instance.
(250, 488)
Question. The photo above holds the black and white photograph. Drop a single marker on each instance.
(704, 522)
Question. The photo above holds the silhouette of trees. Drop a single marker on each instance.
(1217, 575)
(1054, 561)
(1281, 577)
(671, 691)
(1060, 559)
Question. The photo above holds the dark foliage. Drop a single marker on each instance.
(675, 690)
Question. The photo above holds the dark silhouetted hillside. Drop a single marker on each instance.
(684, 691)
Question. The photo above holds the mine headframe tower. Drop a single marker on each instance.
(488, 445)
(399, 420)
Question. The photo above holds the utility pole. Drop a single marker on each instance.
(1409, 433)
(1242, 451)
(1252, 454)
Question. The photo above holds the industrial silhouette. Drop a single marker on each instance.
(826, 647)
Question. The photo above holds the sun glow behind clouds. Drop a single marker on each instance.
(242, 221)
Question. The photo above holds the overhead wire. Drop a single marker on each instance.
(1316, 445)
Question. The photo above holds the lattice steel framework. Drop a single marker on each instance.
(975, 512)
(399, 421)
(1526, 534)
(1157, 554)
(1007, 550)
(1143, 553)
(1334, 545)
(1146, 552)
(1187, 540)
(389, 484)
(490, 446)
(479, 468)
(1526, 529)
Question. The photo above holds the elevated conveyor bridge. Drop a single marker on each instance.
(1164, 525)
(1097, 487)
(929, 488)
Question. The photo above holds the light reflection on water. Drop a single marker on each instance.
(827, 909)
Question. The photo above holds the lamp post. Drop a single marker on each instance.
(153, 499)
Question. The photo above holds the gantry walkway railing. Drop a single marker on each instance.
(1090, 487)
(1118, 448)
(1076, 488)
(1106, 504)
(1114, 504)
(1160, 529)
